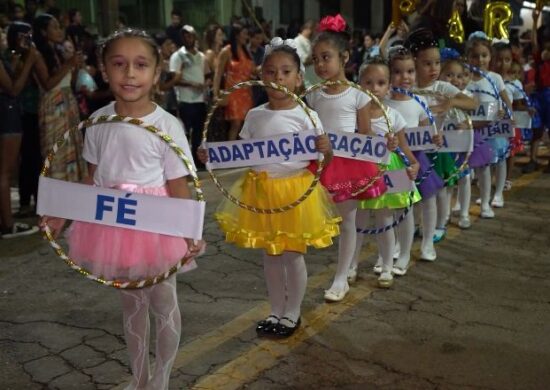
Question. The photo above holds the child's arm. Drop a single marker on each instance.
(384, 41)
(437, 139)
(322, 144)
(363, 121)
(460, 101)
(56, 224)
(178, 188)
(412, 170)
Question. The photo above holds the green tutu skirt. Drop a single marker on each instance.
(445, 167)
(398, 200)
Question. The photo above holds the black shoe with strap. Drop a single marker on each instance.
(283, 331)
(266, 327)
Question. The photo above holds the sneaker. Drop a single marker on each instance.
(464, 222)
(507, 185)
(530, 167)
(498, 202)
(385, 280)
(487, 212)
(439, 234)
(19, 229)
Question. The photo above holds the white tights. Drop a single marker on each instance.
(385, 240)
(429, 221)
(161, 298)
(442, 208)
(286, 280)
(346, 244)
(405, 237)
(464, 195)
(484, 177)
(500, 178)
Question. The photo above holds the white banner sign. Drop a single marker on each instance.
(486, 111)
(106, 206)
(457, 141)
(498, 129)
(398, 181)
(522, 119)
(420, 138)
(244, 153)
(359, 146)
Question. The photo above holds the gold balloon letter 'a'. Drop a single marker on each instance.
(456, 29)
(496, 18)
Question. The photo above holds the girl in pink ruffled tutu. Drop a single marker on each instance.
(342, 108)
(126, 157)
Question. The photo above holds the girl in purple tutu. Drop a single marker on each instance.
(403, 75)
(125, 157)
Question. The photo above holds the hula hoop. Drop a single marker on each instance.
(225, 192)
(381, 171)
(47, 233)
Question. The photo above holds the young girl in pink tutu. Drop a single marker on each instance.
(342, 108)
(126, 157)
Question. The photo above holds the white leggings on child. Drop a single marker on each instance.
(161, 298)
(500, 178)
(484, 177)
(405, 237)
(464, 195)
(385, 240)
(286, 280)
(346, 244)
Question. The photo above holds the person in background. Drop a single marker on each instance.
(256, 48)
(14, 75)
(173, 30)
(191, 88)
(165, 96)
(303, 43)
(75, 30)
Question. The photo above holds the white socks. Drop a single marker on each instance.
(442, 208)
(405, 236)
(286, 280)
(465, 195)
(429, 220)
(500, 178)
(385, 240)
(163, 301)
(484, 178)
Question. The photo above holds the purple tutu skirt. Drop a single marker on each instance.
(482, 154)
(431, 182)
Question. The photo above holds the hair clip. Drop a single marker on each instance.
(478, 35)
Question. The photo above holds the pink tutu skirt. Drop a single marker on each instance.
(343, 177)
(115, 253)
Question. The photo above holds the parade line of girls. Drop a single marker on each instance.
(121, 156)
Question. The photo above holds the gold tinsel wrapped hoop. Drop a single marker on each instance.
(223, 190)
(46, 231)
(328, 83)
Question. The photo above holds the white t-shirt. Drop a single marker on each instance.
(410, 109)
(338, 112)
(380, 127)
(262, 122)
(445, 88)
(128, 154)
(191, 67)
(484, 85)
(514, 88)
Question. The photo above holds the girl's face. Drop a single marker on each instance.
(329, 65)
(428, 65)
(242, 38)
(131, 69)
(480, 56)
(68, 49)
(453, 74)
(516, 71)
(54, 33)
(281, 68)
(218, 38)
(368, 41)
(503, 61)
(403, 73)
(167, 48)
(376, 79)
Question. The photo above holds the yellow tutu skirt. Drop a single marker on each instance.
(314, 222)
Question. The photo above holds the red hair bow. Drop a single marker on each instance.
(332, 23)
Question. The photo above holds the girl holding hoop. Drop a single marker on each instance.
(478, 52)
(425, 50)
(285, 236)
(403, 75)
(136, 161)
(343, 108)
(375, 76)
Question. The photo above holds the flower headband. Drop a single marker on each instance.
(332, 23)
(478, 35)
(448, 53)
(397, 50)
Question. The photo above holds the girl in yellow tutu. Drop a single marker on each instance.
(285, 236)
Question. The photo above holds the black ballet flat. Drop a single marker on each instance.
(284, 331)
(266, 326)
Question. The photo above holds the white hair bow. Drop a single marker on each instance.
(502, 40)
(277, 42)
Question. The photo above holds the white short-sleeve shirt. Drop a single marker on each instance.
(338, 112)
(262, 122)
(484, 85)
(514, 89)
(380, 127)
(410, 109)
(128, 154)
